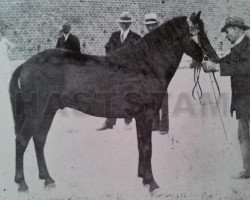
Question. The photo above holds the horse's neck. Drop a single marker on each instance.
(165, 55)
(155, 53)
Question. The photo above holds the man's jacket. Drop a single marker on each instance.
(115, 43)
(72, 43)
(237, 65)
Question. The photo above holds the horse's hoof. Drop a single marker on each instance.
(50, 186)
(49, 183)
(157, 193)
(23, 188)
(153, 186)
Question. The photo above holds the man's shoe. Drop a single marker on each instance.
(105, 126)
(127, 127)
(163, 132)
(242, 175)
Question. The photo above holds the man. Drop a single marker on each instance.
(160, 123)
(151, 21)
(67, 40)
(119, 39)
(237, 65)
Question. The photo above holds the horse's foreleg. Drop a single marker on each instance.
(39, 141)
(22, 141)
(140, 148)
(144, 127)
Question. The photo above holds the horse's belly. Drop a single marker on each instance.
(113, 104)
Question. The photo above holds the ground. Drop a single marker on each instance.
(195, 161)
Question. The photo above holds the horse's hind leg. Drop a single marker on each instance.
(144, 133)
(22, 141)
(39, 139)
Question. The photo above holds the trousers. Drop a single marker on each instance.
(112, 121)
(244, 140)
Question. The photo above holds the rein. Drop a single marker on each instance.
(197, 69)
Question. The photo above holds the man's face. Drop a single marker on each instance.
(66, 29)
(232, 34)
(125, 25)
(151, 27)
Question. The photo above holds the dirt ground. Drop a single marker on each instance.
(195, 161)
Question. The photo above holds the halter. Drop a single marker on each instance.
(197, 69)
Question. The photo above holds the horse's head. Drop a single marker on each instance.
(195, 23)
(185, 29)
(196, 27)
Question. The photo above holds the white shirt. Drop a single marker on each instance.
(66, 36)
(125, 34)
(239, 39)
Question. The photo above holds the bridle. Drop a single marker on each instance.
(197, 68)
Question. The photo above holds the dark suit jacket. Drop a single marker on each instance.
(72, 43)
(115, 43)
(237, 65)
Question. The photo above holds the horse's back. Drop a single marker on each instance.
(48, 67)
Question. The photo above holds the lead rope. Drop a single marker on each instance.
(197, 70)
(217, 103)
(215, 98)
(210, 52)
(216, 82)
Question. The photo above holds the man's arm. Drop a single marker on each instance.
(236, 64)
(109, 44)
(58, 43)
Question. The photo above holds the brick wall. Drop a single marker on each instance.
(33, 25)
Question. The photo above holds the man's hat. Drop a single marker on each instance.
(234, 21)
(66, 25)
(150, 18)
(125, 17)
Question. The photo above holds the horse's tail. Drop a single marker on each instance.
(16, 100)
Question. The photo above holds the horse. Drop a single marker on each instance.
(131, 81)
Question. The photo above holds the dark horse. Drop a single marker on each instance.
(130, 82)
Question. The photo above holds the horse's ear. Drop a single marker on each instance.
(198, 15)
(192, 17)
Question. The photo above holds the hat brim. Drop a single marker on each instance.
(244, 27)
(124, 21)
(152, 22)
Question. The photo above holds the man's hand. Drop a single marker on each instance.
(209, 66)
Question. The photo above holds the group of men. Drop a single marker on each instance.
(119, 39)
